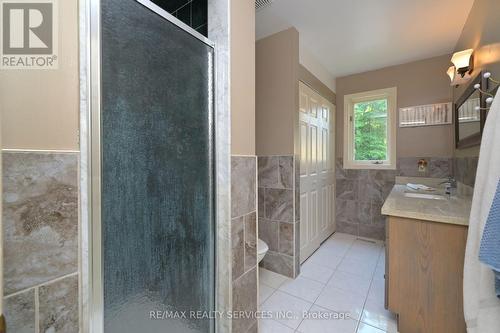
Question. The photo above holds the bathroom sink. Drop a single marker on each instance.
(424, 196)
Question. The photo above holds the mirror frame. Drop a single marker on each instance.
(475, 139)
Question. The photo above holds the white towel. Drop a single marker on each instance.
(418, 187)
(481, 306)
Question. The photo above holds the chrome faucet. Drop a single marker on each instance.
(450, 185)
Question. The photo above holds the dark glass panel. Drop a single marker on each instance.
(157, 172)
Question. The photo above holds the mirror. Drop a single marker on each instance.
(469, 117)
(470, 114)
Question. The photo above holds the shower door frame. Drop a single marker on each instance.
(91, 284)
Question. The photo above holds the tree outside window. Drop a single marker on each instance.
(370, 127)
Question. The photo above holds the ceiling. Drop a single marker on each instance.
(354, 36)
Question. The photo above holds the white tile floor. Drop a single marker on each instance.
(345, 275)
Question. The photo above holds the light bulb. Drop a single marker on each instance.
(451, 73)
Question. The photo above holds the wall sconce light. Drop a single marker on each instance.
(463, 66)
(464, 62)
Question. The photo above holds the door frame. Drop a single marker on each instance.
(91, 283)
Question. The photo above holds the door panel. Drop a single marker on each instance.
(304, 144)
(304, 212)
(324, 208)
(314, 106)
(313, 147)
(304, 102)
(324, 150)
(316, 170)
(314, 212)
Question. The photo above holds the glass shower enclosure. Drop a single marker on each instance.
(156, 172)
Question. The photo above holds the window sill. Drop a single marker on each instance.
(353, 166)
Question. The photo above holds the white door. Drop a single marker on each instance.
(317, 170)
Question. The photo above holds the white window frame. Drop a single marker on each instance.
(349, 101)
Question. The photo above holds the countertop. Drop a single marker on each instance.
(454, 210)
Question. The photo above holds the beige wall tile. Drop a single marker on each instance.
(59, 306)
(20, 312)
(40, 216)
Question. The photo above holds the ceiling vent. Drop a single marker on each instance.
(261, 4)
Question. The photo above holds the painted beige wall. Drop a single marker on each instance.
(243, 77)
(418, 83)
(482, 33)
(40, 108)
(277, 93)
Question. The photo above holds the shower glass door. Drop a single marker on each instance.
(157, 185)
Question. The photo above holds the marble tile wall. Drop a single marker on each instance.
(244, 239)
(360, 194)
(55, 297)
(465, 169)
(279, 213)
(437, 167)
(20, 312)
(40, 219)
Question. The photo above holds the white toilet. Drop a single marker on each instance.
(262, 249)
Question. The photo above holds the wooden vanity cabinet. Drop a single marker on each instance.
(424, 275)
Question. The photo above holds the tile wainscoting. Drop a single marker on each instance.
(465, 169)
(361, 193)
(40, 219)
(437, 167)
(244, 239)
(279, 213)
(40, 199)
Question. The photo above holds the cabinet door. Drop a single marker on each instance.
(386, 275)
(426, 261)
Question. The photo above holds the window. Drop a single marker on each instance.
(370, 130)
